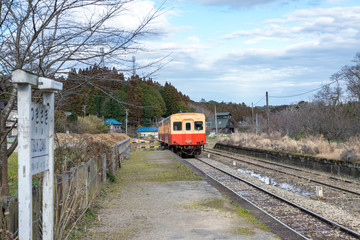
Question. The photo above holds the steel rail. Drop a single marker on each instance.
(280, 165)
(325, 220)
(257, 207)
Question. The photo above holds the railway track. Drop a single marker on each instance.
(301, 221)
(339, 184)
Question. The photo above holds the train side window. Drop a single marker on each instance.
(177, 126)
(199, 126)
(188, 126)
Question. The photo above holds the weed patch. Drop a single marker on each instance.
(308, 145)
(140, 168)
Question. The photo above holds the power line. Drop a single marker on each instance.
(299, 94)
(260, 100)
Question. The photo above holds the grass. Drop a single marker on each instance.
(140, 168)
(13, 172)
(88, 218)
(210, 203)
(229, 206)
(307, 145)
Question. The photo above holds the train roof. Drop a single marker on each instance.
(182, 114)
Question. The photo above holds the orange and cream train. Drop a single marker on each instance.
(183, 133)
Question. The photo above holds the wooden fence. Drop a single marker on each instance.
(74, 192)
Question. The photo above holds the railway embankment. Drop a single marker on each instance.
(336, 167)
(156, 196)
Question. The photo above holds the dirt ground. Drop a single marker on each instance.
(156, 197)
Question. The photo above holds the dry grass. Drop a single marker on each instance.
(109, 139)
(73, 149)
(311, 145)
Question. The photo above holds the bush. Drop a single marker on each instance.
(91, 124)
(348, 155)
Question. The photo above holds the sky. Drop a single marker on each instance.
(236, 50)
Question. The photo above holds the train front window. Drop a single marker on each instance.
(177, 126)
(199, 126)
(188, 126)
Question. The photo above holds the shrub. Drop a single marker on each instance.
(91, 124)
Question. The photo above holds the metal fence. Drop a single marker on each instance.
(74, 192)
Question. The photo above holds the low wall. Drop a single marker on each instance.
(336, 167)
(74, 192)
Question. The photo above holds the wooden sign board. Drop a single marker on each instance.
(39, 117)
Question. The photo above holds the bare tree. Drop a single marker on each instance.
(328, 94)
(351, 74)
(49, 37)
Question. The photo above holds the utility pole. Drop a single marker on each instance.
(133, 67)
(102, 62)
(126, 120)
(216, 127)
(84, 109)
(267, 114)
(257, 123)
(252, 114)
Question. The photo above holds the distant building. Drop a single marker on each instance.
(225, 124)
(148, 131)
(114, 125)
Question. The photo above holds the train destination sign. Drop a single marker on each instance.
(39, 117)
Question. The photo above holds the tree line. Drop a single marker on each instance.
(333, 113)
(42, 37)
(107, 93)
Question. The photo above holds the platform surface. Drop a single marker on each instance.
(150, 201)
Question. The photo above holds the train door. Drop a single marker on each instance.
(189, 127)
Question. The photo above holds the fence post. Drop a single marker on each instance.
(103, 162)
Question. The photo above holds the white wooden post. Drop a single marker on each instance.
(35, 150)
(24, 151)
(24, 82)
(49, 87)
(48, 183)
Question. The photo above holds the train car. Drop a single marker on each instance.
(183, 133)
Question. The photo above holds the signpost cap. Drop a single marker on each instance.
(49, 84)
(20, 76)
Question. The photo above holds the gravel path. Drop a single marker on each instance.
(142, 206)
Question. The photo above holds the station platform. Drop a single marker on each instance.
(155, 196)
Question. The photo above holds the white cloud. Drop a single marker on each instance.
(292, 54)
(342, 23)
(239, 3)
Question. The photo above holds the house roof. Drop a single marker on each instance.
(111, 121)
(221, 123)
(223, 114)
(148, 129)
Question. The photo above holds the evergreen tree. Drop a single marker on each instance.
(134, 100)
(171, 98)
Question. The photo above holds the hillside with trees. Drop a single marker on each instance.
(106, 93)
